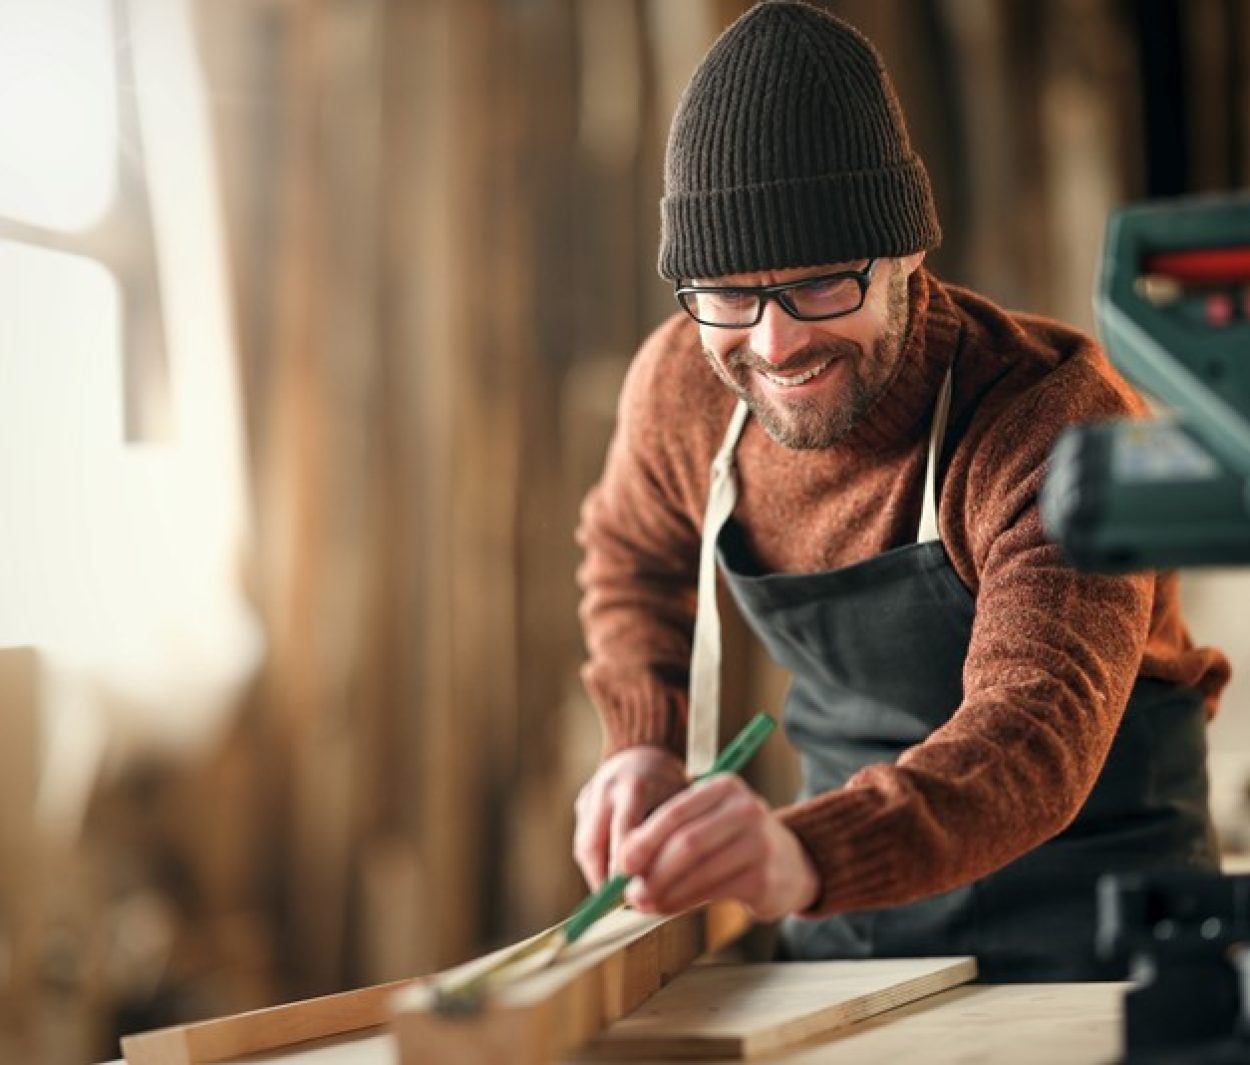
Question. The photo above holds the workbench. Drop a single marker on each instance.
(1025, 1024)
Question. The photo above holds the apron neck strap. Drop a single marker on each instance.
(703, 713)
(937, 434)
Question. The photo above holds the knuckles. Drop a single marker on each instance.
(629, 789)
(743, 806)
(684, 849)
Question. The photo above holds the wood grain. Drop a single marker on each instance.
(1024, 1024)
(261, 1030)
(744, 1011)
(618, 965)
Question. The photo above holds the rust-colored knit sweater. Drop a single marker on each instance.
(1053, 653)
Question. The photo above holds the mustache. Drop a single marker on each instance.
(743, 357)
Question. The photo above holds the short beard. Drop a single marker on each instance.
(810, 426)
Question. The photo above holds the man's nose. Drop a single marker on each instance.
(777, 337)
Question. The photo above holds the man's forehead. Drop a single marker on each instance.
(777, 277)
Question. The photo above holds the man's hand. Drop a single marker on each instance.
(717, 840)
(623, 791)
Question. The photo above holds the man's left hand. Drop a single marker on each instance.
(717, 840)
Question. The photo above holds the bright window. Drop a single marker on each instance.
(60, 416)
(58, 112)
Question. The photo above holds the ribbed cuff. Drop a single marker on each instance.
(855, 856)
(640, 711)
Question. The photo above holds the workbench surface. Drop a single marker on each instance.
(1026, 1024)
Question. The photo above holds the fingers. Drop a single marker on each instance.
(623, 791)
(746, 888)
(629, 808)
(707, 879)
(664, 827)
(591, 835)
(685, 855)
(719, 840)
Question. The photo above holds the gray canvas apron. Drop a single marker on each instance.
(876, 651)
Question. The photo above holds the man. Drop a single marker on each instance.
(982, 729)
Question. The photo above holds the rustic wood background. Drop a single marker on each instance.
(442, 222)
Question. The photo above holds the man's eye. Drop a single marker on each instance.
(725, 300)
(831, 287)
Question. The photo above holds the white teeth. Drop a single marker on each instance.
(797, 379)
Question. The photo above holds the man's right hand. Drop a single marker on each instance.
(623, 791)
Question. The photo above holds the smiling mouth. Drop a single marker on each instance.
(782, 381)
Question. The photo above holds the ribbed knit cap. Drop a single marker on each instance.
(789, 149)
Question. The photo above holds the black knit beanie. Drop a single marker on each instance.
(789, 149)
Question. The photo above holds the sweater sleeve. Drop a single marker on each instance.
(1051, 662)
(639, 571)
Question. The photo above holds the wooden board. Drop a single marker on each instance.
(620, 963)
(617, 966)
(1019, 1024)
(260, 1030)
(744, 1011)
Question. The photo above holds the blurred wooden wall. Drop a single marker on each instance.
(442, 219)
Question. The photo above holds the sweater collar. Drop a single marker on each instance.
(904, 410)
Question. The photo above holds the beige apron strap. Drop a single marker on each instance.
(937, 433)
(703, 715)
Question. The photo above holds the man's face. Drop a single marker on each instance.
(811, 383)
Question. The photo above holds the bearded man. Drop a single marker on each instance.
(859, 446)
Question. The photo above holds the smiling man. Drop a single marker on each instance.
(808, 385)
(858, 446)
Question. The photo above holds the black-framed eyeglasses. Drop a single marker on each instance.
(813, 299)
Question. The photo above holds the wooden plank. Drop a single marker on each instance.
(744, 1011)
(372, 1048)
(616, 967)
(260, 1030)
(1024, 1024)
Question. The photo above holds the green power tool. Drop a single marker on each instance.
(1173, 308)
